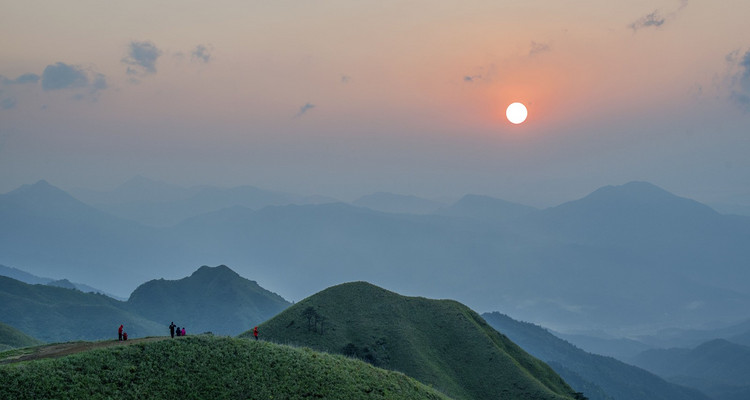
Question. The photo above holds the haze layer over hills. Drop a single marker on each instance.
(630, 258)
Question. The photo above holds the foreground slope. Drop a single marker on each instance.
(600, 377)
(439, 342)
(212, 299)
(206, 367)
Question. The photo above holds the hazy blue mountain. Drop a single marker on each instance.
(597, 376)
(689, 338)
(138, 189)
(63, 283)
(46, 229)
(631, 256)
(160, 204)
(622, 349)
(23, 276)
(26, 277)
(719, 368)
(485, 208)
(215, 300)
(742, 338)
(397, 203)
(56, 314)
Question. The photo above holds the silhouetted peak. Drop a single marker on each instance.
(221, 270)
(63, 283)
(642, 195)
(40, 187)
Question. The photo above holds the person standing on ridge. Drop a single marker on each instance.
(255, 332)
(171, 329)
(183, 332)
(119, 333)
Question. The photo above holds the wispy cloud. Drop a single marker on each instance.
(141, 58)
(481, 74)
(304, 109)
(63, 76)
(201, 53)
(537, 48)
(656, 18)
(21, 80)
(8, 103)
(740, 80)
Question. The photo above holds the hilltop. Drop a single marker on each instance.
(439, 342)
(206, 367)
(212, 299)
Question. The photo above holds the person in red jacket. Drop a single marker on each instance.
(255, 332)
(119, 333)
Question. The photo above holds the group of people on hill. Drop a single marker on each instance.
(121, 335)
(174, 329)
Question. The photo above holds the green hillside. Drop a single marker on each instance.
(204, 367)
(439, 342)
(212, 299)
(53, 314)
(11, 338)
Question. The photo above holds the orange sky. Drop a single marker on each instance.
(335, 96)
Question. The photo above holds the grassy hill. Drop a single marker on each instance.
(11, 338)
(439, 342)
(212, 299)
(601, 378)
(57, 314)
(204, 367)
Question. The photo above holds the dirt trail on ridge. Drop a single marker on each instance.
(56, 350)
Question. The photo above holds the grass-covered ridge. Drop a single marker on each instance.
(206, 367)
(439, 342)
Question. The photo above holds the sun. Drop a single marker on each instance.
(516, 113)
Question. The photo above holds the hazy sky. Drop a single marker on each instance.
(346, 98)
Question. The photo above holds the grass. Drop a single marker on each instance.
(200, 367)
(441, 343)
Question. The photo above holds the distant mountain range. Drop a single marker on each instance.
(397, 203)
(601, 378)
(439, 342)
(156, 203)
(718, 367)
(631, 258)
(26, 277)
(211, 300)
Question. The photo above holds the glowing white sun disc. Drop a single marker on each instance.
(516, 113)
